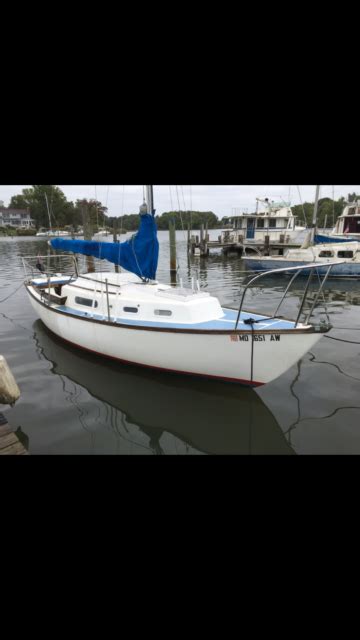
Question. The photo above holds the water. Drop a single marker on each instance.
(75, 403)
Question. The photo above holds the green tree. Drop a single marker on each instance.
(183, 218)
(97, 213)
(44, 198)
(19, 202)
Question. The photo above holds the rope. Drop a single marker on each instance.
(11, 294)
(341, 340)
(251, 321)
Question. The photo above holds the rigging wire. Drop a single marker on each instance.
(171, 200)
(303, 209)
(121, 221)
(190, 207)
(97, 212)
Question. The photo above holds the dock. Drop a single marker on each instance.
(203, 246)
(10, 444)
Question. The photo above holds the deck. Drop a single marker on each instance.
(227, 323)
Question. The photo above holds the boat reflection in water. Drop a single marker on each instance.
(212, 417)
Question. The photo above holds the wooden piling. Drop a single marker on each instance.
(9, 391)
(172, 239)
(88, 234)
(267, 246)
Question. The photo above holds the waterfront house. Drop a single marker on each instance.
(17, 218)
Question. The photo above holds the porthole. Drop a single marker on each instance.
(131, 309)
(163, 312)
(86, 302)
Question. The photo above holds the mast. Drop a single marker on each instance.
(150, 198)
(48, 210)
(313, 225)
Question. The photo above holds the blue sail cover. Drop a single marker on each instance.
(323, 239)
(139, 255)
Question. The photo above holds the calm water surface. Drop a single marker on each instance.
(72, 402)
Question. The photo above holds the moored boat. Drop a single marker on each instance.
(347, 227)
(271, 220)
(133, 318)
(344, 257)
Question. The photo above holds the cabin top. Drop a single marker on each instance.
(351, 209)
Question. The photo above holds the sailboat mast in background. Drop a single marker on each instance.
(150, 198)
(313, 225)
(48, 210)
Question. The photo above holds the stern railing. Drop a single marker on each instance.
(313, 267)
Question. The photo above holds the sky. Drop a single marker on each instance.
(217, 198)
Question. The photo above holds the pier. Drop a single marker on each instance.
(201, 245)
(9, 393)
(10, 444)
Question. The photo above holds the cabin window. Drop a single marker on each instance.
(260, 224)
(131, 309)
(163, 312)
(272, 224)
(86, 302)
(345, 254)
(326, 254)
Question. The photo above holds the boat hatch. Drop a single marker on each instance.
(183, 294)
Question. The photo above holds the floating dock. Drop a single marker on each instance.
(10, 444)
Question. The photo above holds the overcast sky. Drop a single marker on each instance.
(219, 199)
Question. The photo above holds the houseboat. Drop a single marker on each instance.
(272, 220)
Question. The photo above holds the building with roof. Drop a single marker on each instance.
(17, 218)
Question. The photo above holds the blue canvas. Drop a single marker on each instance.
(138, 255)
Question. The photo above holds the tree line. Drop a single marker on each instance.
(42, 199)
(328, 210)
(48, 204)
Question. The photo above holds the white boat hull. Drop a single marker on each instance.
(231, 356)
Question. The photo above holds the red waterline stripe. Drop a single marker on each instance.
(248, 383)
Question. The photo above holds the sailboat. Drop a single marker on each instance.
(248, 426)
(133, 318)
(343, 256)
(50, 233)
